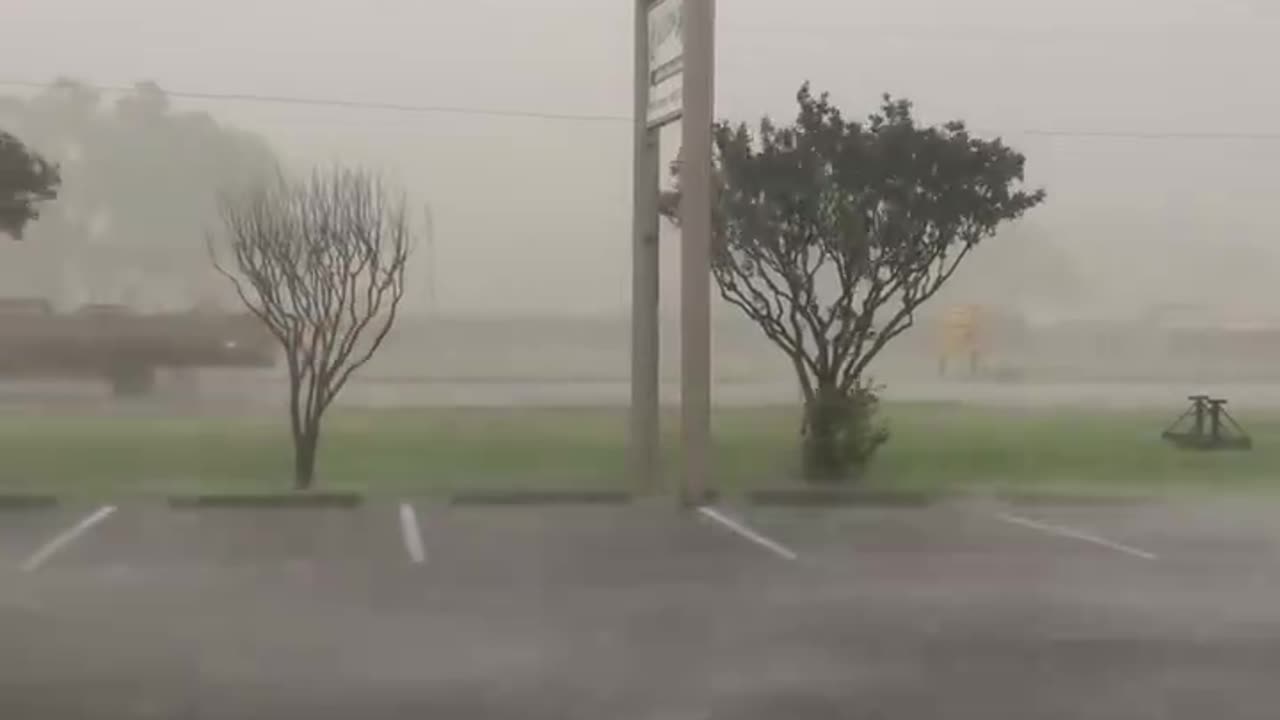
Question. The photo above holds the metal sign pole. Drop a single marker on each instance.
(695, 223)
(644, 269)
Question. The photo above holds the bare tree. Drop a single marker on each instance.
(321, 262)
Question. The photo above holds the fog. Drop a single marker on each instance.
(1026, 545)
(532, 215)
(1151, 123)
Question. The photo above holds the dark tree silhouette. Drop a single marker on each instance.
(829, 234)
(26, 180)
(322, 263)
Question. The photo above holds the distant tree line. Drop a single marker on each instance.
(138, 182)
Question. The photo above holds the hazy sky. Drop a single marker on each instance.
(533, 214)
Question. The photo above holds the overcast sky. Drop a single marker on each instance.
(533, 214)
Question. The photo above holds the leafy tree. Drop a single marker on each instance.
(321, 262)
(26, 180)
(140, 180)
(829, 234)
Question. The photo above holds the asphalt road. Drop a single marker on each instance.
(964, 612)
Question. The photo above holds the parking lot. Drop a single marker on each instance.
(410, 609)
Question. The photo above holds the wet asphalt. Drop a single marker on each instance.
(963, 611)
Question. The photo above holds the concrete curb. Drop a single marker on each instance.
(280, 501)
(782, 498)
(540, 497)
(817, 498)
(1068, 500)
(28, 502)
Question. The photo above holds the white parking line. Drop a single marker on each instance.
(1074, 534)
(67, 537)
(748, 533)
(412, 534)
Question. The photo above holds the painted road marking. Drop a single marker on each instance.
(67, 537)
(412, 534)
(748, 533)
(1074, 534)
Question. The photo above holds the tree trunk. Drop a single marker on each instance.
(824, 426)
(304, 458)
(841, 431)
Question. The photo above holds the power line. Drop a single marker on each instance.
(349, 104)
(476, 111)
(1152, 135)
(1020, 28)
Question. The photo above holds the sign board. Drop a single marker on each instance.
(962, 329)
(666, 62)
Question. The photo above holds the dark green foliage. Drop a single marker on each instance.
(841, 433)
(26, 180)
(830, 233)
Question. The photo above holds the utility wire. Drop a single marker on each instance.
(349, 104)
(1152, 135)
(475, 111)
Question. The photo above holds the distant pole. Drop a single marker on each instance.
(644, 270)
(695, 224)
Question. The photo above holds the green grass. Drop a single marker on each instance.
(935, 448)
(1066, 451)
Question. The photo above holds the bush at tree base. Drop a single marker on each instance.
(842, 432)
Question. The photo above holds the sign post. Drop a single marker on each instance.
(695, 266)
(644, 430)
(675, 79)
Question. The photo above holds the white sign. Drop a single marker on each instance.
(666, 62)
